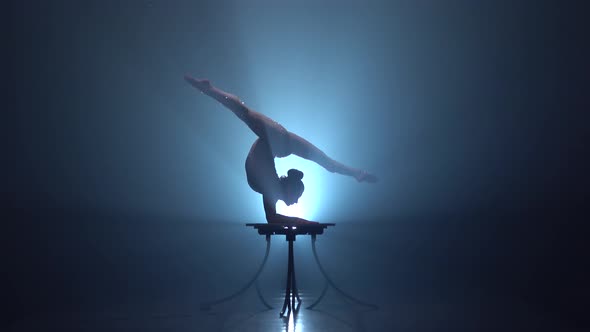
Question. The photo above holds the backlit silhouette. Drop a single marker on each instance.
(275, 141)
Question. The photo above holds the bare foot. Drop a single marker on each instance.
(202, 85)
(364, 176)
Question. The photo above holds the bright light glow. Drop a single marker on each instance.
(289, 210)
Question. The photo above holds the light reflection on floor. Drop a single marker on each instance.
(291, 325)
(332, 317)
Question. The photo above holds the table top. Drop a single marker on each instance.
(290, 229)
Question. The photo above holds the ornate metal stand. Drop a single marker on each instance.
(291, 291)
(290, 231)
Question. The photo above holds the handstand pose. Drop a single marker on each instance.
(275, 141)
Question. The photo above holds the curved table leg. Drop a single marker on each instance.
(331, 283)
(326, 284)
(294, 284)
(268, 306)
(288, 288)
(208, 305)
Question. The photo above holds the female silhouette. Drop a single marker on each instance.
(275, 141)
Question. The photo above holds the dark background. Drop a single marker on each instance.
(471, 113)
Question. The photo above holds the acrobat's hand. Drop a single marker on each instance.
(202, 85)
(307, 222)
(364, 176)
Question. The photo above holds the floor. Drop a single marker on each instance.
(334, 313)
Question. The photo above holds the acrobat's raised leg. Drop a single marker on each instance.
(304, 149)
(258, 123)
(266, 128)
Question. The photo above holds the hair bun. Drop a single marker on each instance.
(295, 174)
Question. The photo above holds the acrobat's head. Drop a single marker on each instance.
(292, 186)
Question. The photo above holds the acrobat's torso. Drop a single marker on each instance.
(260, 165)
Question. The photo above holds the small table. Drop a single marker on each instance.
(290, 232)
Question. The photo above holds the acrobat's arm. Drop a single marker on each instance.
(272, 217)
(304, 149)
